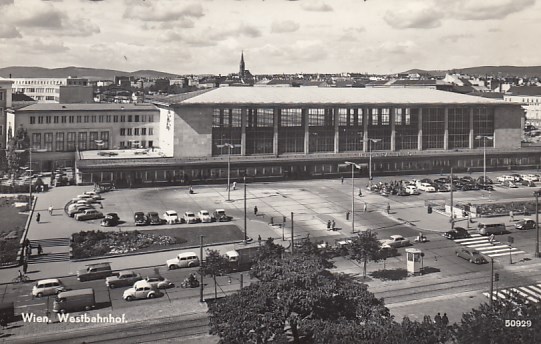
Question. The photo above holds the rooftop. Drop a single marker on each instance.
(317, 95)
(87, 107)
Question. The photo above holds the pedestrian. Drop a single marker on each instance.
(234, 185)
(342, 179)
(38, 217)
(255, 210)
(445, 320)
(347, 215)
(360, 192)
(25, 266)
(365, 207)
(40, 250)
(101, 205)
(3, 322)
(259, 239)
(28, 251)
(511, 216)
(491, 239)
(329, 225)
(437, 319)
(50, 210)
(388, 208)
(333, 225)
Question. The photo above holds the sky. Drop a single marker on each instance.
(277, 36)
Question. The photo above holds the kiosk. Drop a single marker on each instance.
(414, 261)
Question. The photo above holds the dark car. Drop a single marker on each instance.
(154, 218)
(525, 224)
(140, 219)
(110, 220)
(457, 233)
(442, 187)
(471, 255)
(528, 183)
(484, 180)
(486, 187)
(467, 179)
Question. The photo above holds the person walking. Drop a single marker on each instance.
(38, 217)
(511, 216)
(333, 225)
(445, 320)
(255, 210)
(342, 179)
(25, 266)
(437, 319)
(234, 185)
(388, 208)
(360, 192)
(40, 250)
(50, 209)
(365, 207)
(491, 239)
(329, 225)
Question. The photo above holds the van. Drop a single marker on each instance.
(46, 287)
(491, 228)
(183, 260)
(74, 301)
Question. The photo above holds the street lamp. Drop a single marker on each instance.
(230, 146)
(353, 165)
(370, 159)
(30, 171)
(536, 194)
(484, 138)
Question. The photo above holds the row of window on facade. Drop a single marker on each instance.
(36, 90)
(136, 131)
(347, 117)
(136, 144)
(70, 141)
(90, 119)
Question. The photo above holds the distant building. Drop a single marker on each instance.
(530, 98)
(5, 104)
(55, 90)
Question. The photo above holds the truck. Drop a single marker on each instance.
(241, 259)
(220, 216)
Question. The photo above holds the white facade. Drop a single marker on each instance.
(45, 90)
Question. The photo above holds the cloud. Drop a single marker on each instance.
(426, 18)
(316, 6)
(284, 26)
(49, 46)
(162, 11)
(351, 34)
(486, 10)
(238, 31)
(9, 31)
(455, 38)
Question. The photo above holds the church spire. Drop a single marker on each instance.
(242, 68)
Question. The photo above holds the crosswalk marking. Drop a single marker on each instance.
(481, 244)
(531, 293)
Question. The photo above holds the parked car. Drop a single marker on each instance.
(140, 219)
(95, 271)
(471, 255)
(89, 214)
(189, 217)
(486, 187)
(77, 208)
(51, 286)
(154, 218)
(528, 183)
(159, 282)
(183, 260)
(442, 187)
(525, 224)
(467, 179)
(517, 177)
(141, 290)
(504, 178)
(484, 180)
(395, 241)
(124, 278)
(220, 216)
(94, 194)
(457, 233)
(510, 184)
(427, 187)
(530, 177)
(110, 220)
(412, 190)
(171, 217)
(204, 216)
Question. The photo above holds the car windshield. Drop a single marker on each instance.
(204, 213)
(474, 253)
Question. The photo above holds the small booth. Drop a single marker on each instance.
(414, 261)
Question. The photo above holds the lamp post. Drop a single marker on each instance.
(245, 223)
(370, 159)
(229, 146)
(536, 194)
(484, 138)
(353, 165)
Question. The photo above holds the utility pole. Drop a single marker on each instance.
(452, 203)
(245, 226)
(201, 299)
(292, 235)
(491, 280)
(536, 194)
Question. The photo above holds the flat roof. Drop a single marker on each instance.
(327, 95)
(88, 107)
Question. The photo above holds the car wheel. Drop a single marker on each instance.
(151, 296)
(87, 308)
(471, 260)
(112, 286)
(172, 267)
(63, 311)
(39, 295)
(457, 254)
(129, 298)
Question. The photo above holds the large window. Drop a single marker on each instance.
(290, 118)
(83, 141)
(36, 140)
(93, 137)
(225, 129)
(104, 137)
(483, 125)
(71, 141)
(458, 128)
(290, 131)
(350, 122)
(406, 128)
(259, 131)
(433, 128)
(380, 129)
(321, 131)
(48, 141)
(59, 142)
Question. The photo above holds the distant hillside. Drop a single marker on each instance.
(499, 71)
(90, 73)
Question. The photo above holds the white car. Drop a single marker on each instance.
(46, 287)
(189, 217)
(141, 290)
(171, 217)
(395, 241)
(426, 187)
(530, 177)
(504, 178)
(412, 190)
(204, 216)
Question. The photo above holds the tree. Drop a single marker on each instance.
(215, 265)
(365, 247)
(19, 141)
(294, 296)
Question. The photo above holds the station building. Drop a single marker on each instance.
(271, 133)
